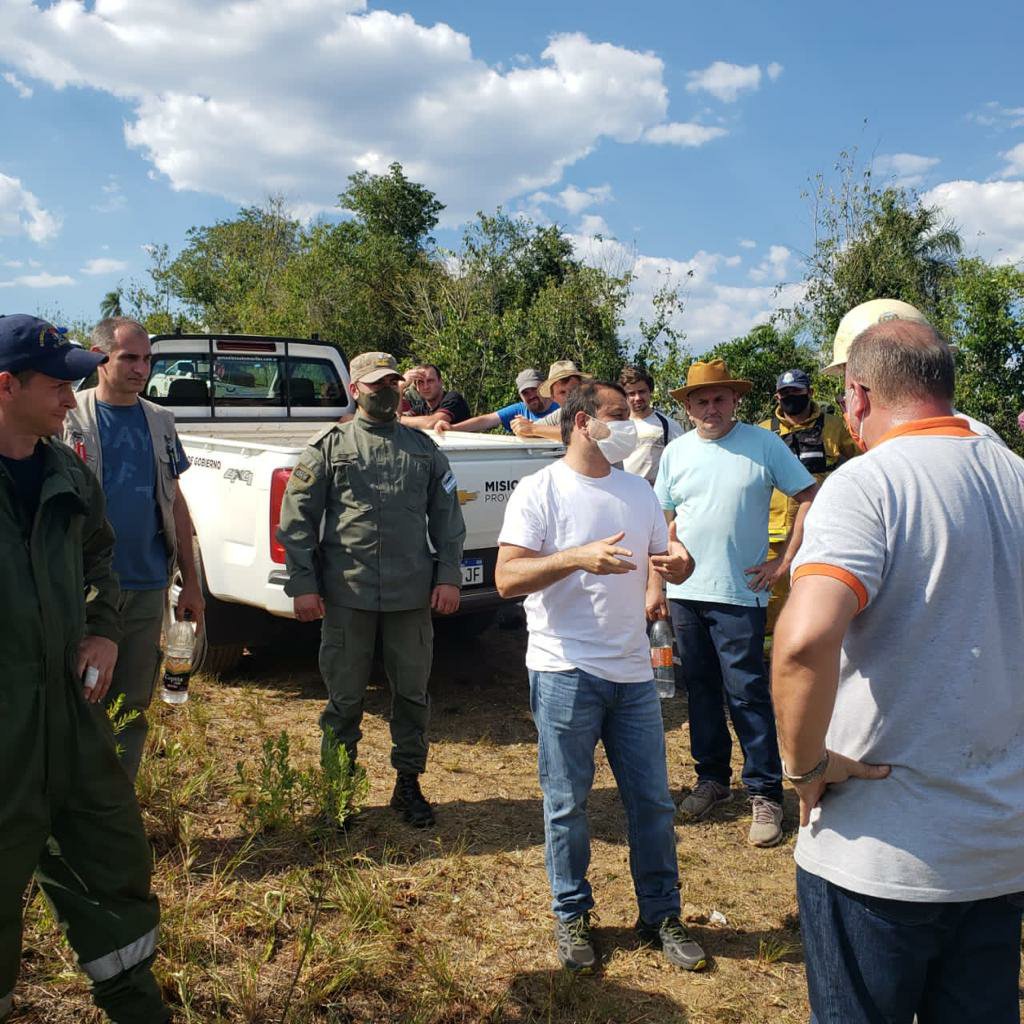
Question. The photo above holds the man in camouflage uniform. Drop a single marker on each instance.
(381, 489)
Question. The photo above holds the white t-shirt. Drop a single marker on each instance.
(594, 623)
(650, 433)
(927, 529)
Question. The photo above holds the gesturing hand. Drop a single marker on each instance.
(839, 770)
(601, 557)
(677, 565)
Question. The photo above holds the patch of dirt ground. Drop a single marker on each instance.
(385, 923)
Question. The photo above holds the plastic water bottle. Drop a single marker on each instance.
(181, 645)
(661, 659)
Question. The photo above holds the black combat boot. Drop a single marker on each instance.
(409, 799)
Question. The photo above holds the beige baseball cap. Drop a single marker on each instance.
(559, 371)
(860, 318)
(372, 366)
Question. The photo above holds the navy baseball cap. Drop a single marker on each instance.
(28, 343)
(793, 379)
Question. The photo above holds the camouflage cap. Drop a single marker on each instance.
(373, 366)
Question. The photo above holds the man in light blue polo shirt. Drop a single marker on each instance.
(531, 407)
(717, 482)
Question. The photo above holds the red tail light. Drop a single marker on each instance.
(278, 483)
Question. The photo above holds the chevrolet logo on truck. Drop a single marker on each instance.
(466, 496)
(499, 490)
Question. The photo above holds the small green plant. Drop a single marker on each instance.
(278, 790)
(120, 720)
(339, 786)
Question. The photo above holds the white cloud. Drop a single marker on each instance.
(102, 265)
(113, 198)
(22, 214)
(591, 224)
(243, 97)
(13, 264)
(773, 267)
(774, 70)
(905, 170)
(989, 214)
(24, 91)
(43, 280)
(680, 133)
(714, 311)
(1014, 162)
(576, 200)
(726, 81)
(995, 115)
(748, 243)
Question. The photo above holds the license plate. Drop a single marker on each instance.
(472, 571)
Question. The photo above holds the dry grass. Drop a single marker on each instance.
(389, 924)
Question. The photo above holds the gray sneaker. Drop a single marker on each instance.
(575, 948)
(704, 798)
(766, 822)
(679, 947)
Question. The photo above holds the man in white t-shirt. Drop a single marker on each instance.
(654, 430)
(589, 545)
(897, 678)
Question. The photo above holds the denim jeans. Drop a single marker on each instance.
(876, 961)
(572, 711)
(723, 645)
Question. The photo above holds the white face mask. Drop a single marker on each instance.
(616, 438)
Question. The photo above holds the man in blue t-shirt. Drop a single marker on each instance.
(133, 447)
(717, 482)
(532, 406)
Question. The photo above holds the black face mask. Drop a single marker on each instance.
(794, 405)
(381, 405)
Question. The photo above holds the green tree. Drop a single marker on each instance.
(110, 304)
(872, 244)
(390, 205)
(985, 319)
(228, 276)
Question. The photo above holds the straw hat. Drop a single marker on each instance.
(559, 371)
(707, 375)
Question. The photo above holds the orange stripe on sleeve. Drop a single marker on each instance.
(837, 573)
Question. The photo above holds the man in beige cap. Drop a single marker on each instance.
(563, 378)
(532, 405)
(880, 311)
(373, 483)
(718, 479)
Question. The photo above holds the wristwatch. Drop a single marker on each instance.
(809, 776)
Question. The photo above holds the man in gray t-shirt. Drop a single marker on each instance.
(900, 704)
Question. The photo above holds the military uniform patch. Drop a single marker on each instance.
(448, 482)
(301, 478)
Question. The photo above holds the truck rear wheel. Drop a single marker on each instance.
(214, 659)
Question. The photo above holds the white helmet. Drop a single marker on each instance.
(860, 318)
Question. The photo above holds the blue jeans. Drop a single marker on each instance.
(875, 961)
(723, 645)
(572, 711)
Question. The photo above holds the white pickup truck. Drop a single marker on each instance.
(245, 408)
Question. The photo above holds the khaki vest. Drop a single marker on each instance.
(82, 433)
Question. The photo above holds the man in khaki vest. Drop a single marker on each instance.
(132, 446)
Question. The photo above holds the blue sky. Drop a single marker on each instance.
(681, 134)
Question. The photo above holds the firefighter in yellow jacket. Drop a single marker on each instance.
(820, 441)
